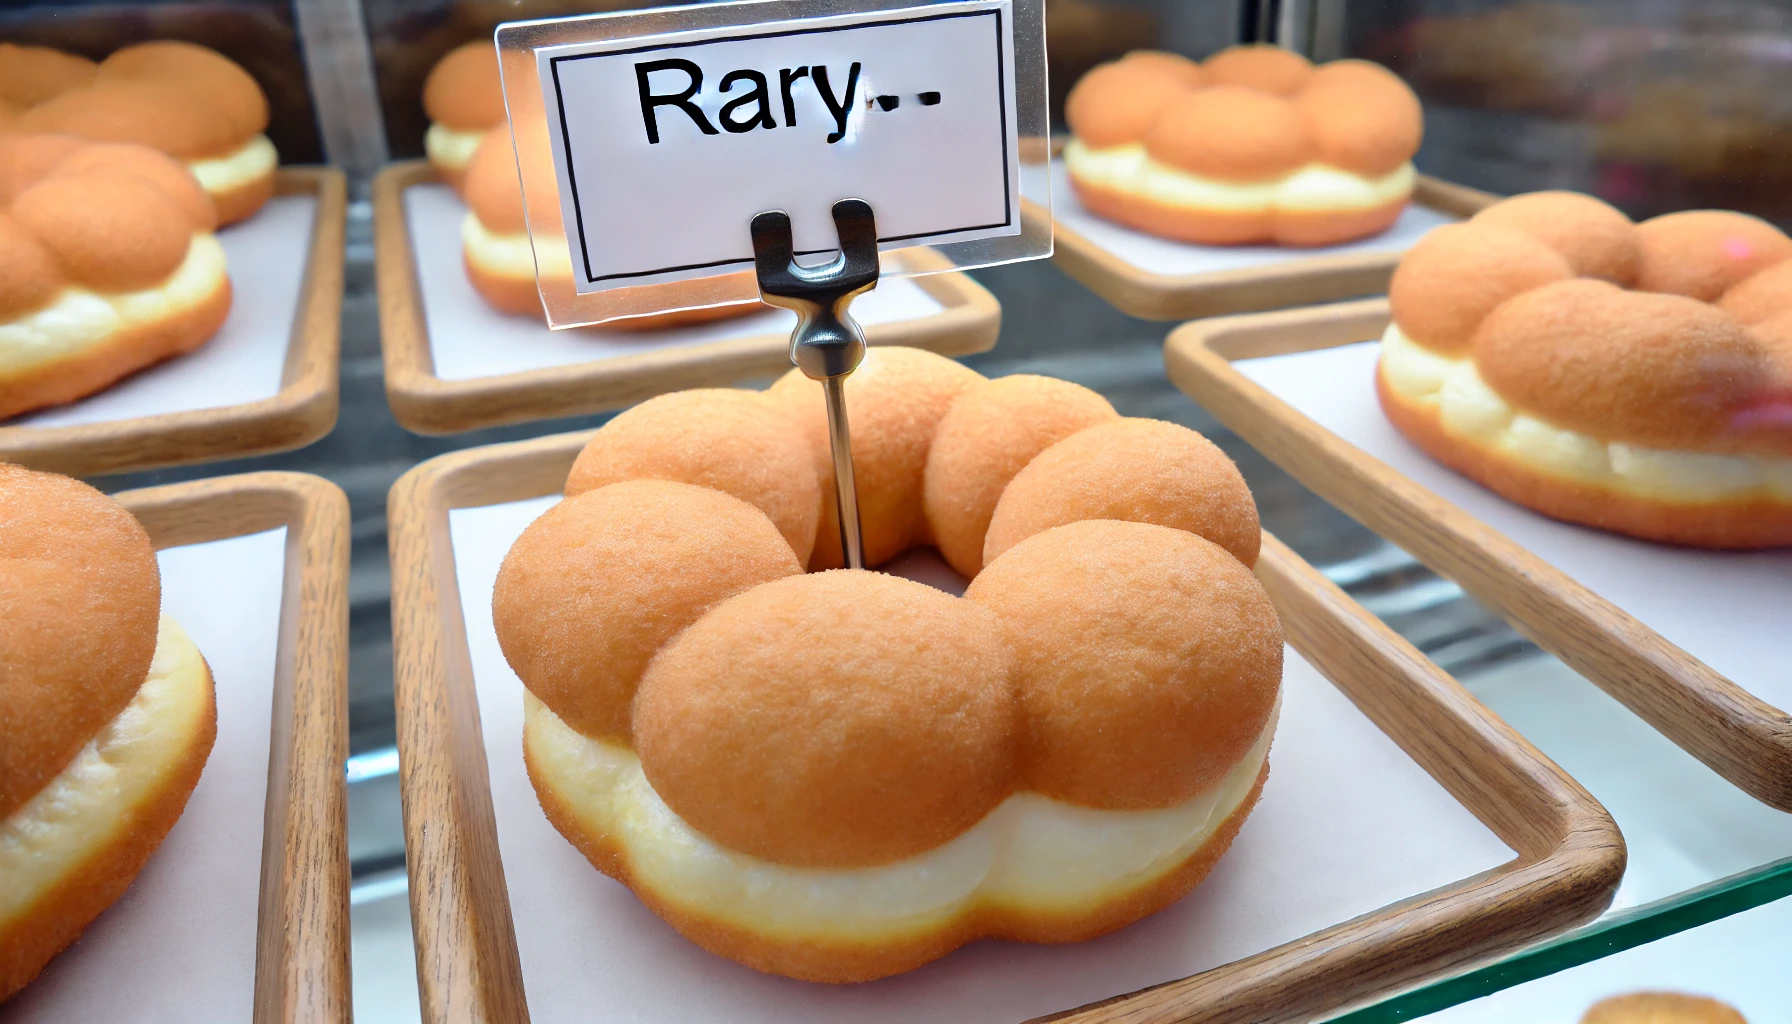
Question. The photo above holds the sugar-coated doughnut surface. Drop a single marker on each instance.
(1119, 102)
(601, 581)
(738, 442)
(1142, 471)
(1661, 1008)
(1360, 117)
(1147, 660)
(991, 432)
(1703, 253)
(1457, 274)
(835, 719)
(463, 92)
(1230, 133)
(894, 402)
(80, 595)
(1596, 239)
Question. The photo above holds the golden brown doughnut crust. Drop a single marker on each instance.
(1117, 103)
(1360, 117)
(29, 75)
(185, 100)
(1752, 524)
(1138, 470)
(1661, 1008)
(599, 583)
(1262, 67)
(1594, 238)
(80, 599)
(738, 442)
(463, 92)
(1230, 133)
(1766, 295)
(1446, 285)
(1152, 714)
(904, 742)
(1703, 253)
(841, 963)
(991, 432)
(59, 917)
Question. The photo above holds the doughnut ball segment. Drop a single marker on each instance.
(30, 75)
(1661, 1008)
(1658, 370)
(1230, 133)
(991, 432)
(185, 100)
(895, 401)
(737, 442)
(1457, 274)
(1766, 295)
(80, 596)
(604, 579)
(1360, 117)
(1260, 67)
(1147, 660)
(1596, 239)
(837, 719)
(1137, 470)
(1703, 253)
(1118, 103)
(463, 92)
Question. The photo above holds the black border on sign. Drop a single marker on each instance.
(573, 183)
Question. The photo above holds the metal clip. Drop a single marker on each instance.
(828, 343)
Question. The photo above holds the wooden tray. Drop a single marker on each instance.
(428, 404)
(1301, 279)
(1570, 855)
(302, 411)
(1740, 736)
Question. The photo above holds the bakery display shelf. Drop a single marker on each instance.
(1728, 606)
(1729, 940)
(1159, 279)
(512, 384)
(1545, 854)
(188, 423)
(270, 613)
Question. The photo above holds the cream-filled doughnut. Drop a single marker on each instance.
(190, 102)
(841, 775)
(1636, 378)
(108, 714)
(1253, 146)
(496, 251)
(464, 99)
(1661, 1008)
(110, 266)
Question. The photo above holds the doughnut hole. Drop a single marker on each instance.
(1703, 253)
(737, 442)
(1661, 1008)
(31, 280)
(1637, 367)
(80, 599)
(1260, 66)
(1230, 133)
(172, 179)
(462, 91)
(839, 719)
(1174, 64)
(113, 233)
(894, 403)
(1594, 237)
(1448, 283)
(1117, 103)
(602, 580)
(1765, 295)
(994, 429)
(1147, 660)
(1360, 117)
(493, 190)
(1137, 470)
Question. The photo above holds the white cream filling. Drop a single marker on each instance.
(1469, 409)
(80, 319)
(1031, 852)
(1315, 187)
(253, 160)
(448, 147)
(126, 764)
(511, 255)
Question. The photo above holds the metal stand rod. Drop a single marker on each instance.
(846, 488)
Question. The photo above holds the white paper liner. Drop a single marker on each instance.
(1347, 825)
(265, 257)
(180, 945)
(1162, 256)
(469, 339)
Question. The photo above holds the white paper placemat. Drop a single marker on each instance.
(179, 946)
(242, 363)
(1161, 256)
(1347, 824)
(1741, 959)
(469, 339)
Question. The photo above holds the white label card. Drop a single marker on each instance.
(667, 146)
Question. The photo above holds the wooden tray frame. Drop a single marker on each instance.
(427, 404)
(302, 924)
(1296, 282)
(302, 411)
(1740, 736)
(1571, 854)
